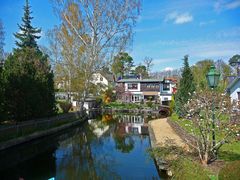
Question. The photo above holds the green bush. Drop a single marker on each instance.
(65, 106)
(172, 105)
(174, 117)
(149, 104)
(230, 171)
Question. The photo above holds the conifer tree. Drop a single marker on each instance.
(185, 88)
(1, 42)
(29, 86)
(2, 98)
(28, 34)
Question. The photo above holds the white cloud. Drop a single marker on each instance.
(222, 5)
(206, 49)
(168, 69)
(233, 5)
(229, 33)
(179, 18)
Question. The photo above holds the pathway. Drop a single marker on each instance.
(162, 131)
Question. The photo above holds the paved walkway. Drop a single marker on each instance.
(162, 132)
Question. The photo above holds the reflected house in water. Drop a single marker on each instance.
(99, 128)
(133, 124)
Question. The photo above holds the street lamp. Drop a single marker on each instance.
(213, 79)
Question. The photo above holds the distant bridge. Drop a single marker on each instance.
(164, 110)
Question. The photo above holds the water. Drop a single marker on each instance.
(109, 147)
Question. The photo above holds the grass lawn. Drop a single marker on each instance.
(229, 156)
(228, 152)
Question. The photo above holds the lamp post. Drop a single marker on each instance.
(213, 79)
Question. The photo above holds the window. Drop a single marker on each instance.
(166, 86)
(101, 79)
(136, 98)
(132, 86)
(151, 85)
(238, 93)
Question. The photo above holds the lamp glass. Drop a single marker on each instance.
(213, 77)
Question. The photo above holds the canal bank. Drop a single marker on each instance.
(74, 118)
(161, 132)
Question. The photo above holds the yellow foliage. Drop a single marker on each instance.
(107, 118)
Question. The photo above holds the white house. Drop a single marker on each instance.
(98, 78)
(138, 90)
(234, 89)
(167, 89)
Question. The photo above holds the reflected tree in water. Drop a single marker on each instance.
(123, 142)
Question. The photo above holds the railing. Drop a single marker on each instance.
(8, 132)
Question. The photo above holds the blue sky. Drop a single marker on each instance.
(166, 29)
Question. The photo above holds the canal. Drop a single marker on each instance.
(108, 146)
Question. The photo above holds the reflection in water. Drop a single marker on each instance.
(109, 147)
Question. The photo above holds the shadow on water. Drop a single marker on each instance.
(108, 146)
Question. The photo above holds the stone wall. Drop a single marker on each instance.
(181, 132)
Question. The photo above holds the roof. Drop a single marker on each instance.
(107, 76)
(233, 82)
(139, 80)
(173, 79)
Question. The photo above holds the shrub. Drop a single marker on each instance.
(149, 104)
(65, 106)
(230, 171)
(172, 105)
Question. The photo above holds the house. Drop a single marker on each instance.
(234, 89)
(168, 87)
(98, 78)
(139, 90)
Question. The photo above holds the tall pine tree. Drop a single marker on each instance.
(28, 34)
(2, 98)
(29, 80)
(185, 88)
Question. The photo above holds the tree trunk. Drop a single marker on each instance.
(204, 161)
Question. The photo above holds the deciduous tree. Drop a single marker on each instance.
(199, 70)
(225, 125)
(106, 28)
(141, 71)
(122, 64)
(148, 62)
